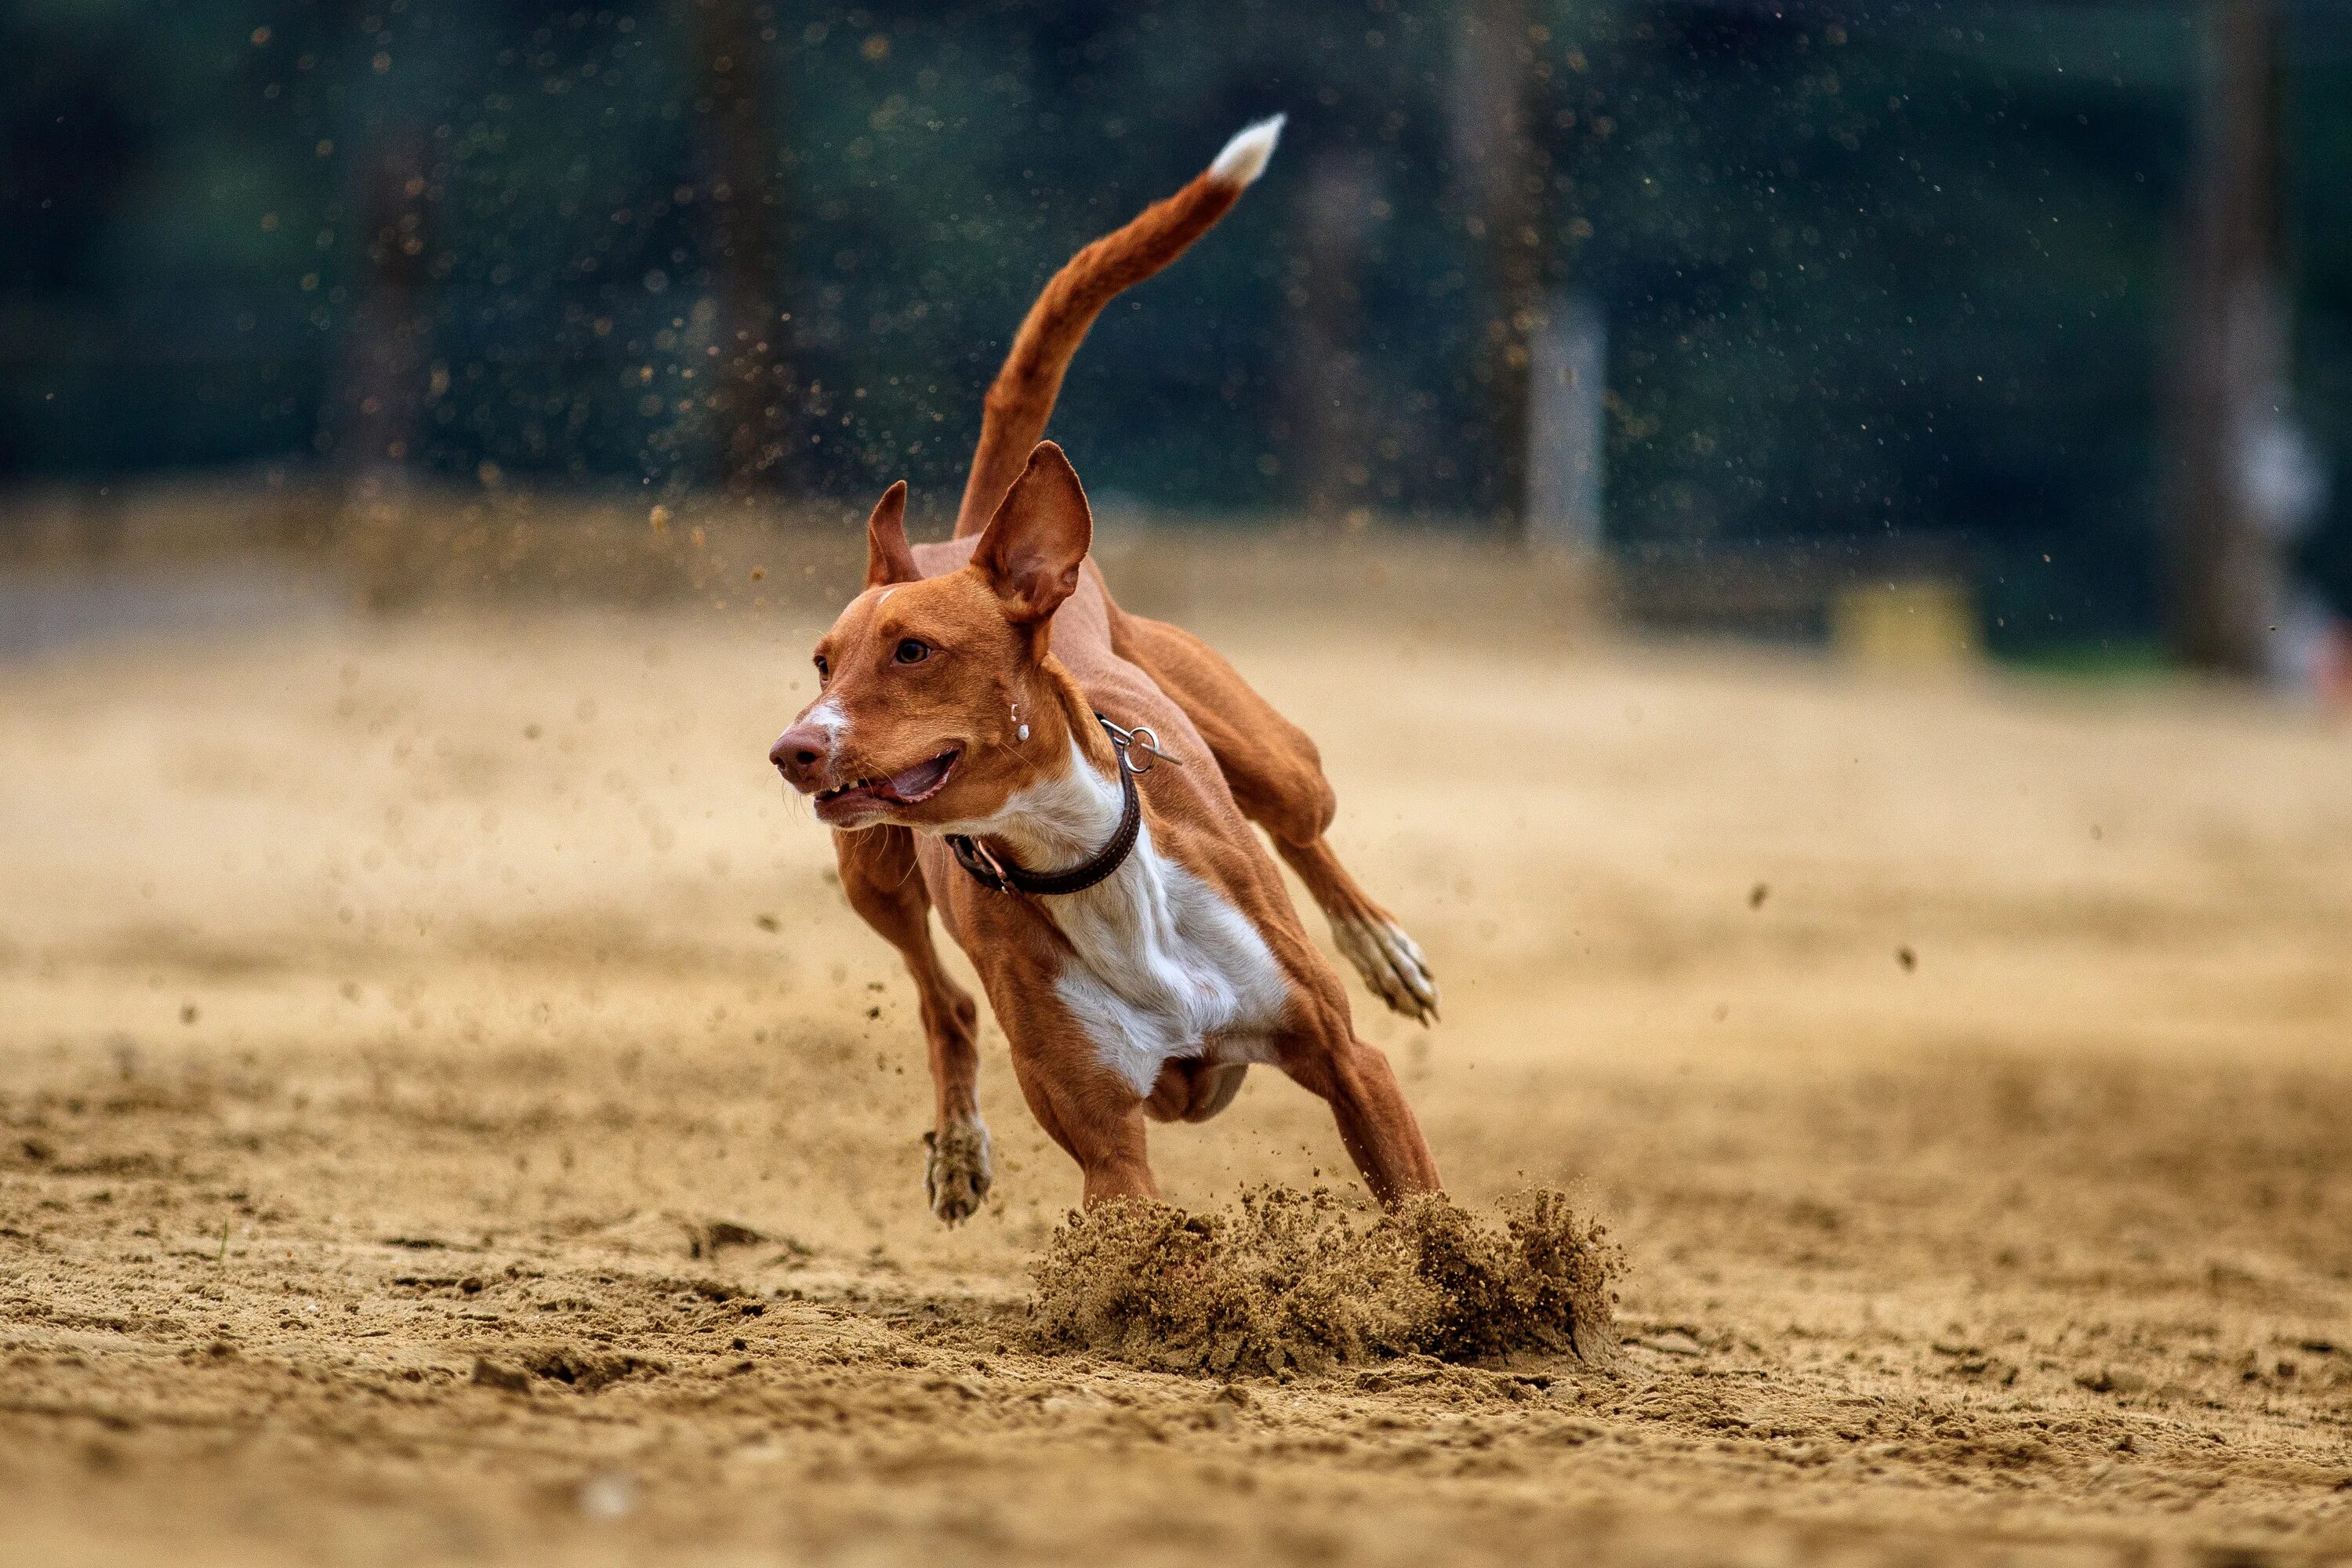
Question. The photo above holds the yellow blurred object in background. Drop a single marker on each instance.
(1920, 624)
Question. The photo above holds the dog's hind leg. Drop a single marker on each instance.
(878, 874)
(1276, 777)
(1389, 961)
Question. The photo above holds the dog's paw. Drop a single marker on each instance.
(955, 1169)
(1391, 964)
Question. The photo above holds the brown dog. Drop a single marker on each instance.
(1071, 787)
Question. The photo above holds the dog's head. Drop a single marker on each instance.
(931, 707)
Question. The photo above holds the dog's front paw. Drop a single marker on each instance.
(955, 1169)
(1390, 963)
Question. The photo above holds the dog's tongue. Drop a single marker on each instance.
(916, 781)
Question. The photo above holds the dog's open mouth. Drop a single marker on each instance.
(908, 786)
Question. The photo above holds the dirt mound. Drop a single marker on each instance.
(583, 1370)
(2038, 1253)
(1299, 1280)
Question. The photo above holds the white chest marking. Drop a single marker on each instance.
(1162, 966)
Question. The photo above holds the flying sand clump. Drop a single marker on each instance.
(1295, 1280)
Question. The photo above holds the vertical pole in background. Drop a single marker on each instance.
(2242, 480)
(383, 400)
(1500, 177)
(735, 44)
(1568, 373)
(1330, 399)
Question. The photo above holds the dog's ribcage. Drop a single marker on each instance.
(1161, 966)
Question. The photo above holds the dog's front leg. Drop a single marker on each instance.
(1093, 1112)
(878, 874)
(1376, 1125)
(956, 1170)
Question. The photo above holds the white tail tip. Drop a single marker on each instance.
(1245, 157)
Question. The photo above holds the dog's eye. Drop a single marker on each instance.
(912, 651)
(824, 670)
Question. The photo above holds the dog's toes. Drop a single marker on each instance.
(1408, 964)
(1391, 964)
(956, 1172)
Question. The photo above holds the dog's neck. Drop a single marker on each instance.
(1070, 805)
(1156, 962)
(1061, 820)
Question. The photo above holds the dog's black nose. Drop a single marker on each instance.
(799, 754)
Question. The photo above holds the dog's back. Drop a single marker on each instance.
(976, 744)
(1272, 766)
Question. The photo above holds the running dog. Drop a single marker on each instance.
(1071, 787)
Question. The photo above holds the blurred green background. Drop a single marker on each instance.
(1869, 272)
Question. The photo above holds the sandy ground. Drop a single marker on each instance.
(446, 1114)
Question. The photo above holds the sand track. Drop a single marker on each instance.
(445, 1111)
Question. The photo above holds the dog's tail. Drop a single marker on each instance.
(1014, 416)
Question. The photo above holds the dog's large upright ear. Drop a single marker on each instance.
(888, 557)
(1031, 549)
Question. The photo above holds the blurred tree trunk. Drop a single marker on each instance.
(382, 392)
(734, 43)
(1501, 183)
(1330, 399)
(2226, 566)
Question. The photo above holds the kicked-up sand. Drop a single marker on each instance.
(447, 1113)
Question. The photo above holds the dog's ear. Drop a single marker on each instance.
(887, 558)
(1031, 549)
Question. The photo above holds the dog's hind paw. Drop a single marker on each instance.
(1391, 964)
(955, 1169)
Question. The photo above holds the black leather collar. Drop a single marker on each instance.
(999, 875)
